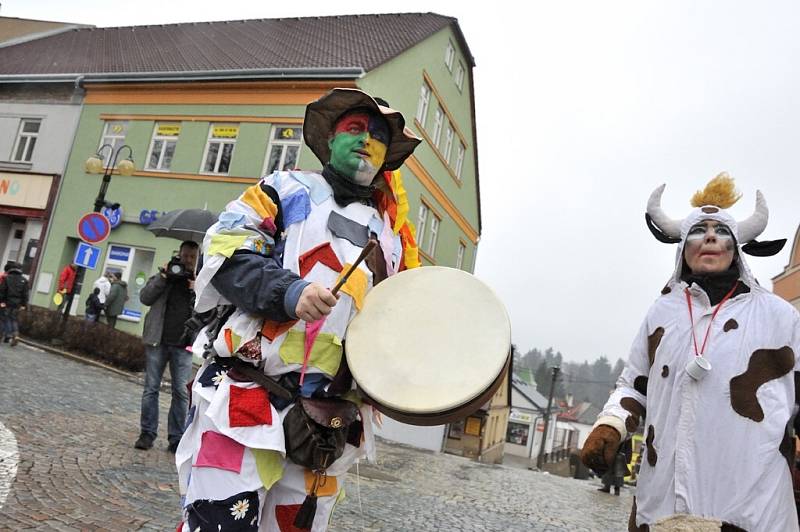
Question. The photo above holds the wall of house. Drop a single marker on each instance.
(429, 438)
(787, 283)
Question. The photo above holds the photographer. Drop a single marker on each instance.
(170, 296)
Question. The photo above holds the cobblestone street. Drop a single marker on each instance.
(67, 463)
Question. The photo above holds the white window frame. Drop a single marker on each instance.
(459, 77)
(114, 139)
(285, 144)
(448, 141)
(449, 55)
(422, 220)
(438, 120)
(164, 140)
(423, 103)
(433, 233)
(210, 139)
(462, 249)
(27, 138)
(460, 153)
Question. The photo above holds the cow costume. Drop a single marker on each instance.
(291, 232)
(711, 375)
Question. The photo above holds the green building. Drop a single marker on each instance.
(208, 108)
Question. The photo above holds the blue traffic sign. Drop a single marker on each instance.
(87, 255)
(114, 216)
(93, 227)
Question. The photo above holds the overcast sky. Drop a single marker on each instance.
(583, 108)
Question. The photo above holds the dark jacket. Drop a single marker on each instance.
(93, 305)
(14, 289)
(154, 294)
(116, 298)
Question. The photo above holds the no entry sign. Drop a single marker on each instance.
(93, 227)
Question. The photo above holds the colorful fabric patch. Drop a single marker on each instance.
(326, 353)
(322, 253)
(317, 190)
(268, 225)
(260, 246)
(269, 465)
(238, 513)
(327, 487)
(345, 228)
(272, 329)
(355, 286)
(225, 245)
(251, 350)
(285, 515)
(229, 220)
(375, 226)
(249, 407)
(220, 452)
(212, 375)
(258, 200)
(232, 340)
(296, 208)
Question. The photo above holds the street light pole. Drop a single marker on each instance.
(540, 458)
(94, 165)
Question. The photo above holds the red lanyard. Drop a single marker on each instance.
(713, 315)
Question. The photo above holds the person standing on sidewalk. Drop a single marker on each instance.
(117, 296)
(170, 296)
(14, 292)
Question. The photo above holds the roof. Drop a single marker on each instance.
(584, 412)
(336, 42)
(529, 392)
(17, 30)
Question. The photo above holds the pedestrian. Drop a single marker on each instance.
(104, 284)
(6, 339)
(115, 301)
(170, 296)
(66, 283)
(272, 362)
(93, 306)
(714, 367)
(14, 293)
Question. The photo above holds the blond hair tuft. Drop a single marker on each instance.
(720, 192)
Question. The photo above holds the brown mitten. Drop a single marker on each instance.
(600, 448)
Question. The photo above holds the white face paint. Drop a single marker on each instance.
(365, 174)
(709, 247)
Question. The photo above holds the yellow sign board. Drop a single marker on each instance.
(168, 130)
(225, 132)
(473, 426)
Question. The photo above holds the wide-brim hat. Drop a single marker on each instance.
(322, 114)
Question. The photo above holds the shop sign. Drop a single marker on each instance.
(168, 130)
(520, 416)
(132, 313)
(473, 426)
(225, 132)
(146, 217)
(24, 190)
(114, 216)
(119, 253)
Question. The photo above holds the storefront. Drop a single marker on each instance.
(26, 202)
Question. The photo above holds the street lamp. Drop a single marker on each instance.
(94, 165)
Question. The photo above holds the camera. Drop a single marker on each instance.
(177, 270)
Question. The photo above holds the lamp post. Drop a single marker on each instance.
(94, 165)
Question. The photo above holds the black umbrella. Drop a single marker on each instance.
(184, 224)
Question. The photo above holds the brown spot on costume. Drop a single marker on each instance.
(632, 521)
(652, 455)
(666, 290)
(665, 371)
(652, 344)
(640, 384)
(730, 325)
(709, 210)
(765, 365)
(637, 413)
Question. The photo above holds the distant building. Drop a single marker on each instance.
(18, 30)
(787, 283)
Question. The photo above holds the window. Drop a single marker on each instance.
(460, 75)
(162, 147)
(456, 430)
(422, 104)
(422, 219)
(219, 149)
(437, 126)
(114, 134)
(26, 140)
(448, 142)
(460, 159)
(284, 145)
(432, 233)
(517, 433)
(427, 229)
(460, 255)
(135, 265)
(449, 54)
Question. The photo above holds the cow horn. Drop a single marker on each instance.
(753, 226)
(668, 226)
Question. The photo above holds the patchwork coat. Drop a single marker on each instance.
(231, 459)
(713, 446)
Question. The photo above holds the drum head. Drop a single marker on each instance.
(428, 340)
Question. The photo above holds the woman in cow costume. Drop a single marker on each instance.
(275, 422)
(711, 374)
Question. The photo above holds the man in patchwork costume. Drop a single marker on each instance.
(711, 376)
(273, 257)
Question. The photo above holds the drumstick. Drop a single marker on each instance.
(364, 252)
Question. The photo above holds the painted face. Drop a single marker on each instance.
(709, 247)
(358, 146)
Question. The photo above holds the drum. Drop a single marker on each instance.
(430, 346)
